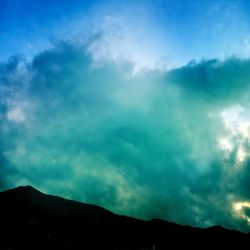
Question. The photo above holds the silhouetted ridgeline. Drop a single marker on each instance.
(33, 220)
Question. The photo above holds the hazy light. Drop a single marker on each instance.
(225, 144)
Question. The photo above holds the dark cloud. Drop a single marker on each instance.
(215, 81)
(150, 145)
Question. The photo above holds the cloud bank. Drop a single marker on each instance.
(173, 145)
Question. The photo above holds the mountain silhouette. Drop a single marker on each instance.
(33, 220)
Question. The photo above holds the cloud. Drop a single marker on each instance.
(158, 144)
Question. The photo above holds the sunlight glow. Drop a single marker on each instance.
(241, 154)
(239, 210)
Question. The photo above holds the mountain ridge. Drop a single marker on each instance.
(34, 219)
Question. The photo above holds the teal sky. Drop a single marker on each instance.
(138, 106)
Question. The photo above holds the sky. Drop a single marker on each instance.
(141, 107)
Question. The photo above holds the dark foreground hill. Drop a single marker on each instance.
(33, 220)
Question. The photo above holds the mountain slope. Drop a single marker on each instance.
(33, 220)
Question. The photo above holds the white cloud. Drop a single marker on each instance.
(16, 114)
(123, 40)
(237, 121)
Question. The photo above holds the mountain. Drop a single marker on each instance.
(33, 220)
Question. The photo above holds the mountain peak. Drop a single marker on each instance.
(25, 189)
(25, 193)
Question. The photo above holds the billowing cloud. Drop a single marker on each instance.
(173, 145)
